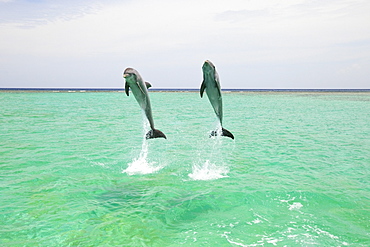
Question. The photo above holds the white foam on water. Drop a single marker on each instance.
(295, 206)
(225, 234)
(142, 165)
(208, 171)
(217, 129)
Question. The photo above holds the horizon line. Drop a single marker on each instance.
(81, 90)
(193, 89)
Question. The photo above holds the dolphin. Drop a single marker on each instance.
(139, 89)
(211, 84)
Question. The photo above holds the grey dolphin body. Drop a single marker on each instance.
(211, 84)
(139, 89)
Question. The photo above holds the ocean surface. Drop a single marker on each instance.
(75, 170)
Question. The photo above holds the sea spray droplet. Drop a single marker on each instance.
(208, 171)
(295, 206)
(141, 165)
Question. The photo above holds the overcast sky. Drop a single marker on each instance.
(253, 43)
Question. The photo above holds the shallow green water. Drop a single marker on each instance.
(76, 171)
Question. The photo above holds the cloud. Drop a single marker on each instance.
(242, 15)
(305, 27)
(272, 43)
(29, 14)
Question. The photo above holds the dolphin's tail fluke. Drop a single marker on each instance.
(227, 133)
(154, 133)
(224, 132)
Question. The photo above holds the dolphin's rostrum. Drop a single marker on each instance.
(211, 84)
(139, 89)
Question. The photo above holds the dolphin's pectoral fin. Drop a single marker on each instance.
(154, 133)
(217, 80)
(148, 85)
(141, 88)
(202, 87)
(224, 132)
(127, 89)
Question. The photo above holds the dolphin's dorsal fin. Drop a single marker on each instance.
(148, 85)
(202, 87)
(127, 88)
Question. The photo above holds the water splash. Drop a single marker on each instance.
(208, 171)
(142, 165)
(295, 206)
(217, 131)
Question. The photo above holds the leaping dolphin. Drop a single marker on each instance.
(139, 89)
(211, 83)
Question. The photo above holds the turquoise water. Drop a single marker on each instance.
(77, 171)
